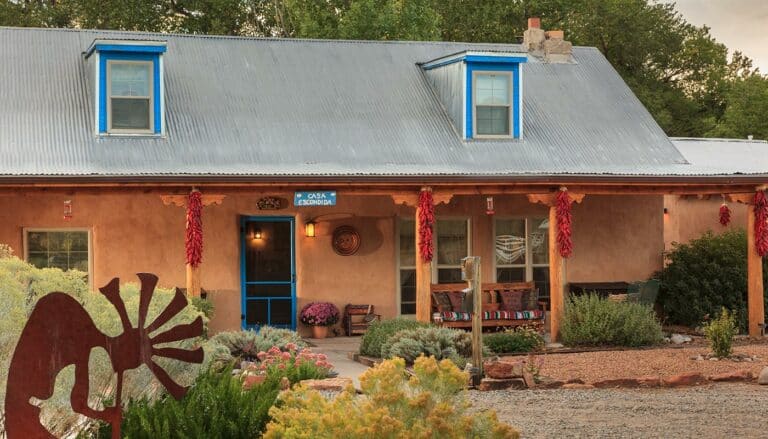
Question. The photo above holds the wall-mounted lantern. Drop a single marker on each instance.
(256, 235)
(309, 229)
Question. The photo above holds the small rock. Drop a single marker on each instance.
(614, 383)
(714, 359)
(747, 359)
(667, 340)
(649, 381)
(487, 384)
(680, 339)
(737, 375)
(329, 384)
(554, 345)
(697, 358)
(503, 369)
(577, 386)
(529, 379)
(686, 379)
(763, 378)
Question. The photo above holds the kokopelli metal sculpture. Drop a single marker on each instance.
(60, 333)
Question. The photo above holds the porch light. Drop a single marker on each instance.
(257, 234)
(309, 229)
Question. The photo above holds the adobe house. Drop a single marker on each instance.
(312, 156)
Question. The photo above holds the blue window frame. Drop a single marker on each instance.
(129, 87)
(486, 68)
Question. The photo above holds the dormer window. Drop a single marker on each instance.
(493, 99)
(129, 87)
(129, 106)
(481, 92)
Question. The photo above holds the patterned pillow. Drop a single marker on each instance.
(457, 300)
(511, 300)
(442, 302)
(531, 299)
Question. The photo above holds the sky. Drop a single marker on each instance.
(739, 24)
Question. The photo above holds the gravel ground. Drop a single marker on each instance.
(713, 411)
(594, 366)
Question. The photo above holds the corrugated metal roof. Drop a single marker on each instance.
(723, 156)
(262, 107)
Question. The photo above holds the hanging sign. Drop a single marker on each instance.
(314, 198)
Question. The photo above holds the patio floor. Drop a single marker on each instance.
(337, 348)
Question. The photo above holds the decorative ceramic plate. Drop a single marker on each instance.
(346, 240)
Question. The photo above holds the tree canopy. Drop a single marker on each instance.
(679, 71)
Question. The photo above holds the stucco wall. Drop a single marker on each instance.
(615, 238)
(690, 217)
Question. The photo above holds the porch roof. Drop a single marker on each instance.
(255, 108)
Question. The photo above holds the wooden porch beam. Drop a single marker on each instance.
(755, 298)
(423, 274)
(441, 191)
(556, 262)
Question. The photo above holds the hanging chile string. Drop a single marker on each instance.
(725, 215)
(563, 209)
(761, 228)
(194, 241)
(426, 221)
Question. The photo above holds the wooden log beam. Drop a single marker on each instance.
(423, 275)
(473, 274)
(556, 279)
(755, 298)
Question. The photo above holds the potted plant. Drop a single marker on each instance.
(319, 315)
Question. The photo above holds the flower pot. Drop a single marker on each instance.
(319, 331)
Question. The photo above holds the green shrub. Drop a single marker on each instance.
(720, 332)
(514, 340)
(204, 306)
(379, 332)
(592, 320)
(22, 285)
(246, 344)
(430, 404)
(215, 407)
(705, 275)
(441, 343)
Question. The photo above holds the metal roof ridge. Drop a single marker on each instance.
(276, 39)
(717, 139)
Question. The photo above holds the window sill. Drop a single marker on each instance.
(132, 135)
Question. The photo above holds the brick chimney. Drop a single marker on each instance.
(550, 46)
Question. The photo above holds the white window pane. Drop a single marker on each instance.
(452, 241)
(538, 238)
(492, 120)
(130, 114)
(484, 96)
(510, 241)
(407, 243)
(484, 82)
(130, 79)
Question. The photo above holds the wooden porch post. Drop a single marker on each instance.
(193, 274)
(556, 280)
(423, 275)
(556, 271)
(755, 299)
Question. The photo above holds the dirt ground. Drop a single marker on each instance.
(711, 411)
(594, 366)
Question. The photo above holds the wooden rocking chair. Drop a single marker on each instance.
(357, 318)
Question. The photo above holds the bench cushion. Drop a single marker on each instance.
(512, 300)
(494, 315)
(442, 302)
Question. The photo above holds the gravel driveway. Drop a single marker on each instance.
(714, 411)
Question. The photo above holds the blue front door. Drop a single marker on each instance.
(268, 272)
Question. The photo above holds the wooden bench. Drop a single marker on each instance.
(357, 318)
(493, 316)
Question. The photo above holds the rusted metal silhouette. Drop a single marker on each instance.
(60, 333)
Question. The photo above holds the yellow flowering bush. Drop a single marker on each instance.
(429, 404)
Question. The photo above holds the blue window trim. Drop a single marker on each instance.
(130, 48)
(509, 67)
(243, 281)
(132, 55)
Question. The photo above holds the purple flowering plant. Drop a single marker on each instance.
(319, 314)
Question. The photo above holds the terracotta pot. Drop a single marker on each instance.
(319, 331)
